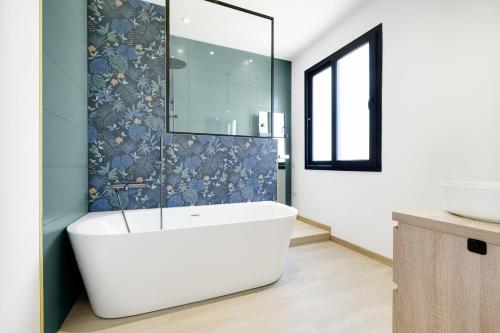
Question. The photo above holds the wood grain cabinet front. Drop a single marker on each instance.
(443, 283)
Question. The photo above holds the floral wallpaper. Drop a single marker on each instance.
(207, 169)
(126, 107)
(126, 100)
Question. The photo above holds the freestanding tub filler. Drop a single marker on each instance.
(200, 253)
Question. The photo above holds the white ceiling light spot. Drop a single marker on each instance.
(210, 24)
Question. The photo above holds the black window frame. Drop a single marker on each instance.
(374, 163)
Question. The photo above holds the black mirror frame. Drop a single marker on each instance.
(167, 53)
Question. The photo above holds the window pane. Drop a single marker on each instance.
(353, 115)
(322, 116)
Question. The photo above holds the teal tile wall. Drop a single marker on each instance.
(282, 104)
(64, 150)
(213, 84)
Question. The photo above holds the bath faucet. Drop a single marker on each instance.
(122, 186)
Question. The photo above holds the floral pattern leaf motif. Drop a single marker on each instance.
(155, 123)
(91, 135)
(126, 102)
(126, 52)
(96, 82)
(122, 162)
(216, 170)
(109, 36)
(119, 63)
(136, 132)
(100, 205)
(113, 199)
(121, 26)
(122, 145)
(99, 66)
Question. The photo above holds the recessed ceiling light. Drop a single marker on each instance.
(212, 52)
(185, 20)
(250, 61)
(180, 51)
(227, 111)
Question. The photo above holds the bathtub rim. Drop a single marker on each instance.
(70, 228)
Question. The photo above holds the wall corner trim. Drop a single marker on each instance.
(351, 246)
(361, 250)
(314, 223)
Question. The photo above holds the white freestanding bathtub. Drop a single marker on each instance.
(201, 252)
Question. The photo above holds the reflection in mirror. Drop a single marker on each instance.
(279, 134)
(219, 70)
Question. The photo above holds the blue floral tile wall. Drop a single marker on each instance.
(126, 100)
(126, 105)
(207, 169)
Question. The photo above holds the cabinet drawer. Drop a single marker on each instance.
(442, 286)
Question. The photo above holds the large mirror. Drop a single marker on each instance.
(220, 69)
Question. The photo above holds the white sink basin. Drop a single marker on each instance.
(476, 200)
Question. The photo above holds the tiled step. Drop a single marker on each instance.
(304, 233)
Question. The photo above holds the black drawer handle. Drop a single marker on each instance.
(476, 246)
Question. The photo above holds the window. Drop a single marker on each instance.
(343, 114)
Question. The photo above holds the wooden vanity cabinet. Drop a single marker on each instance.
(447, 272)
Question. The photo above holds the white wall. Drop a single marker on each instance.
(441, 114)
(19, 167)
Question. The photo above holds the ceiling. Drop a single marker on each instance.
(298, 23)
(220, 25)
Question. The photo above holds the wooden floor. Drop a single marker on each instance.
(324, 288)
